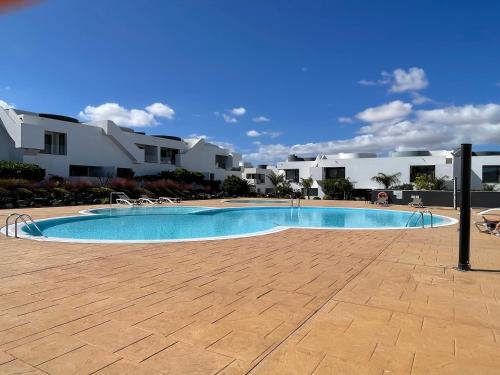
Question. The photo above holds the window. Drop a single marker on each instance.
(491, 174)
(124, 172)
(150, 153)
(167, 155)
(333, 173)
(313, 192)
(292, 175)
(86, 171)
(422, 170)
(55, 143)
(221, 161)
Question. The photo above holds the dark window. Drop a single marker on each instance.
(292, 175)
(313, 192)
(221, 161)
(333, 173)
(85, 171)
(124, 172)
(422, 170)
(54, 143)
(491, 174)
(167, 155)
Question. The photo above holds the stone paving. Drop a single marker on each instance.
(291, 302)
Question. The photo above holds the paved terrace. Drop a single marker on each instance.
(293, 302)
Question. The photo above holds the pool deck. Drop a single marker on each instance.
(293, 302)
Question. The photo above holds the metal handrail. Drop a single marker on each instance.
(413, 214)
(7, 222)
(432, 217)
(421, 213)
(292, 202)
(22, 217)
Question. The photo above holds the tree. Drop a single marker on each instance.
(387, 180)
(338, 187)
(307, 183)
(233, 185)
(284, 188)
(276, 180)
(425, 182)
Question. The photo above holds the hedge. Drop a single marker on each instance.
(14, 169)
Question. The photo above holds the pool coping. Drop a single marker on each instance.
(24, 235)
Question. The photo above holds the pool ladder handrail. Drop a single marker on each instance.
(22, 217)
(292, 202)
(421, 213)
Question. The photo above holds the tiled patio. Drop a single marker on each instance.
(292, 302)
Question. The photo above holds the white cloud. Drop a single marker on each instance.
(161, 110)
(345, 120)
(385, 112)
(127, 117)
(401, 80)
(260, 119)
(239, 111)
(418, 99)
(255, 133)
(412, 80)
(443, 128)
(468, 114)
(6, 105)
(229, 119)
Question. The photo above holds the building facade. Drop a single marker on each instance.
(67, 148)
(258, 177)
(361, 167)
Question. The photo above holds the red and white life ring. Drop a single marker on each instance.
(382, 195)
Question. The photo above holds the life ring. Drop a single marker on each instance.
(382, 195)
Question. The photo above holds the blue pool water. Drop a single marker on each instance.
(259, 201)
(182, 223)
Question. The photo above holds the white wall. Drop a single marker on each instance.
(104, 144)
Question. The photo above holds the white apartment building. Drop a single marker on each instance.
(258, 177)
(65, 147)
(361, 167)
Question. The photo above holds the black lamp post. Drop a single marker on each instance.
(464, 240)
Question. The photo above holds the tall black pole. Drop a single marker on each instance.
(464, 241)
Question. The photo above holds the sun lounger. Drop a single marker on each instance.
(489, 225)
(146, 199)
(169, 200)
(125, 199)
(416, 202)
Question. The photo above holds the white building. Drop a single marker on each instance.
(361, 167)
(258, 177)
(65, 147)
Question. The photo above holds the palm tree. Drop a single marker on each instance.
(387, 180)
(307, 183)
(275, 179)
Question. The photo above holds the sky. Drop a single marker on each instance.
(266, 77)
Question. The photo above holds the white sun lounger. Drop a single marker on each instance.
(125, 199)
(169, 200)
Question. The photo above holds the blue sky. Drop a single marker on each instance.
(329, 76)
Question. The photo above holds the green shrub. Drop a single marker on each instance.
(23, 193)
(100, 192)
(234, 185)
(12, 183)
(14, 169)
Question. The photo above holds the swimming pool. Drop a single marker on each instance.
(182, 223)
(258, 201)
